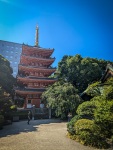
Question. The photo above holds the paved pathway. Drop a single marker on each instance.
(47, 134)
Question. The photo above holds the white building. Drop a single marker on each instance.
(11, 51)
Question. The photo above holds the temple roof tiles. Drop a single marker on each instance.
(36, 68)
(37, 57)
(29, 90)
(37, 48)
(37, 78)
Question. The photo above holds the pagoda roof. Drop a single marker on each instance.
(37, 58)
(35, 48)
(36, 79)
(26, 91)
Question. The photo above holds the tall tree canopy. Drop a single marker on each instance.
(6, 78)
(6, 85)
(63, 98)
(73, 72)
(80, 71)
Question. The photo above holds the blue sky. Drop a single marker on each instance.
(69, 26)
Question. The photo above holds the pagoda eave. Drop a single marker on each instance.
(24, 57)
(29, 68)
(33, 49)
(27, 79)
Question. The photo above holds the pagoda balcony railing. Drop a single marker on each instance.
(40, 57)
(33, 77)
(37, 66)
(33, 66)
(22, 74)
(30, 89)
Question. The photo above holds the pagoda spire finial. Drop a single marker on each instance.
(36, 36)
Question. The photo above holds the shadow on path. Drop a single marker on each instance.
(22, 126)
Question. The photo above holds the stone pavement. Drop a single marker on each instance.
(45, 134)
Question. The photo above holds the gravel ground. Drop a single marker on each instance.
(47, 134)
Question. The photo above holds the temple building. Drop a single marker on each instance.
(34, 70)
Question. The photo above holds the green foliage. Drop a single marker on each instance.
(86, 109)
(94, 89)
(98, 130)
(13, 108)
(80, 71)
(108, 92)
(23, 114)
(88, 133)
(63, 98)
(6, 85)
(105, 90)
(104, 118)
(70, 125)
(6, 78)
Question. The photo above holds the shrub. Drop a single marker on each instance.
(86, 109)
(88, 133)
(23, 114)
(70, 125)
(104, 118)
(13, 107)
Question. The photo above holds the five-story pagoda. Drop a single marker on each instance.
(33, 72)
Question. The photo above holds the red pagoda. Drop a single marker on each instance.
(33, 72)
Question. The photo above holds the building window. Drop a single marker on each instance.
(29, 101)
(14, 73)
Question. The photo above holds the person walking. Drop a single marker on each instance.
(29, 117)
(69, 116)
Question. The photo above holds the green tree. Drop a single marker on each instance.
(6, 85)
(103, 117)
(86, 109)
(98, 113)
(6, 78)
(63, 98)
(80, 71)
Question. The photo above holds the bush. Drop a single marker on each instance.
(86, 109)
(104, 118)
(1, 121)
(70, 125)
(88, 133)
(14, 107)
(23, 114)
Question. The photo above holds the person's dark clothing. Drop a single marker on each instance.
(69, 117)
(29, 117)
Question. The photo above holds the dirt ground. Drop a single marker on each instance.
(47, 134)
